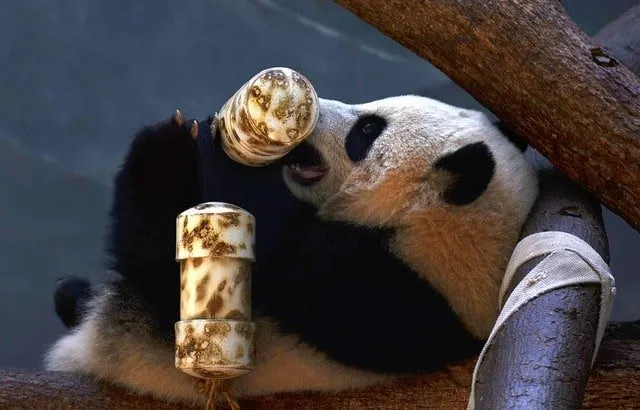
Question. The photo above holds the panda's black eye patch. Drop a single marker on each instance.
(362, 135)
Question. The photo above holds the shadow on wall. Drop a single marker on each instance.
(79, 78)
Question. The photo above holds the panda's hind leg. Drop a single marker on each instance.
(118, 341)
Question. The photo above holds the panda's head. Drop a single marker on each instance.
(375, 162)
(453, 188)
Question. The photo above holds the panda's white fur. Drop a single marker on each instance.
(461, 250)
(139, 362)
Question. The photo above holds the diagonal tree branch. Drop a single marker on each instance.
(530, 64)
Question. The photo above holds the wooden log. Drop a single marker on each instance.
(532, 66)
(614, 383)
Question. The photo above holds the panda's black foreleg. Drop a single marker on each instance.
(158, 179)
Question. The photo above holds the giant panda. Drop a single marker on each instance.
(381, 244)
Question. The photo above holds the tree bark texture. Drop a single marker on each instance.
(533, 67)
(541, 357)
(614, 383)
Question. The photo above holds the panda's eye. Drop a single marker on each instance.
(368, 128)
(362, 135)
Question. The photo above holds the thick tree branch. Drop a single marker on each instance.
(536, 70)
(615, 383)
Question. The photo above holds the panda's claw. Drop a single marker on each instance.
(178, 118)
(194, 129)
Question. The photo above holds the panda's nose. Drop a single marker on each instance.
(334, 118)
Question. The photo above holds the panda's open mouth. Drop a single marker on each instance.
(305, 165)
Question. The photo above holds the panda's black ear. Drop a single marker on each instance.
(515, 139)
(472, 168)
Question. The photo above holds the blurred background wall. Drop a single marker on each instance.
(77, 78)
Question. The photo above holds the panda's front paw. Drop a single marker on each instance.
(162, 163)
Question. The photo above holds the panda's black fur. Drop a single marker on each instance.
(335, 286)
(328, 304)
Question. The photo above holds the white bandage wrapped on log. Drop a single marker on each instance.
(569, 261)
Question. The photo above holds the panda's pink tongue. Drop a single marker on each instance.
(307, 176)
(313, 172)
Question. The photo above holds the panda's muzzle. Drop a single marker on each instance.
(305, 165)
